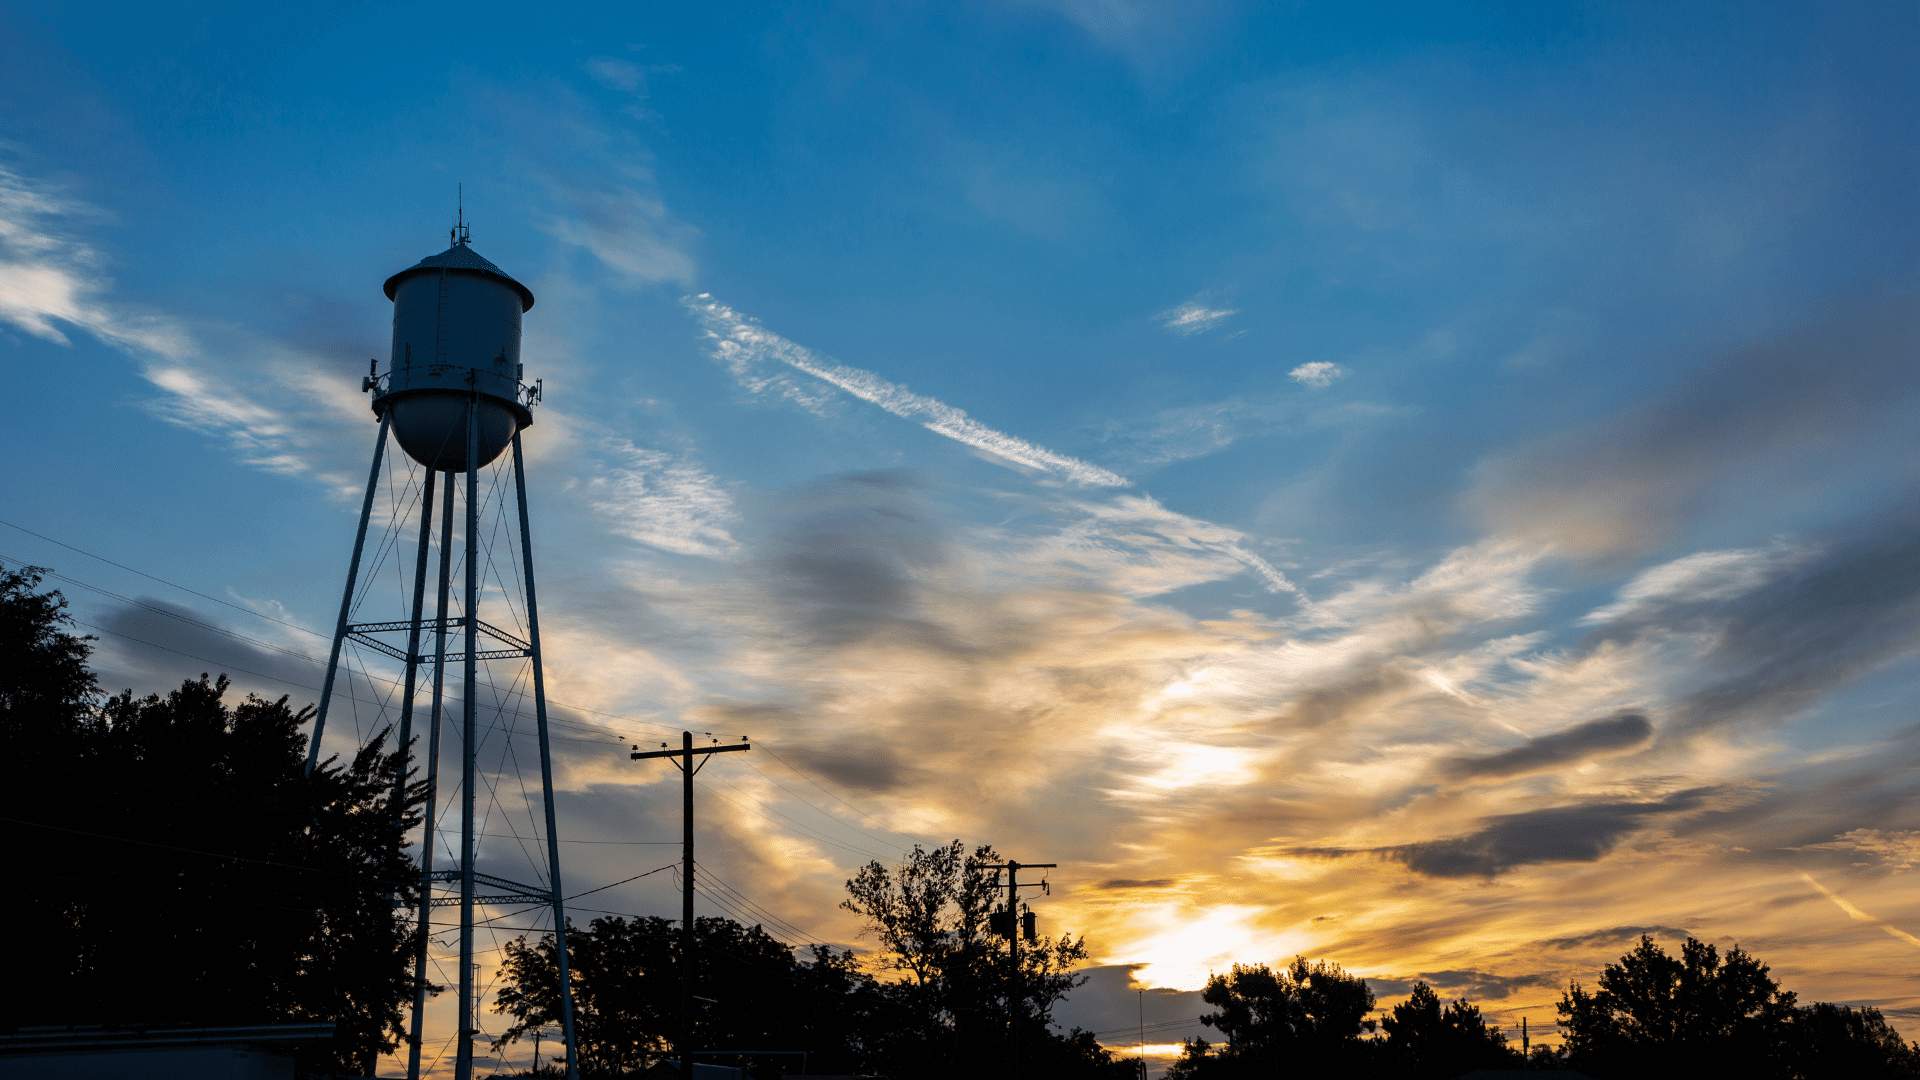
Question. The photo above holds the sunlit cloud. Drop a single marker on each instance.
(1193, 317)
(1318, 374)
(50, 276)
(663, 500)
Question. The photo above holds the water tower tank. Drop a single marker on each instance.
(456, 341)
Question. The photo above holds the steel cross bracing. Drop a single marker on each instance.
(516, 893)
(427, 652)
(360, 632)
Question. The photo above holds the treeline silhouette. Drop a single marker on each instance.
(1650, 1015)
(175, 866)
(172, 865)
(944, 1004)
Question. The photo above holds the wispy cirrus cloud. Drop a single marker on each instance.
(1621, 485)
(1701, 576)
(1193, 317)
(51, 276)
(664, 500)
(1896, 848)
(623, 221)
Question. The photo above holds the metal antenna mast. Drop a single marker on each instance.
(688, 770)
(456, 410)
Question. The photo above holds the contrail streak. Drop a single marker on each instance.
(741, 342)
(737, 332)
(1856, 914)
(1264, 570)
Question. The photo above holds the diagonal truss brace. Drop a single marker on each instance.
(514, 892)
(362, 633)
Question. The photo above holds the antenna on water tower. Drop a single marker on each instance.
(453, 400)
(460, 236)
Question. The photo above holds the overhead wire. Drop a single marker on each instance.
(793, 824)
(834, 817)
(766, 915)
(327, 637)
(836, 797)
(501, 706)
(758, 808)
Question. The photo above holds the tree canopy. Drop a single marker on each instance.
(757, 995)
(1704, 1014)
(183, 868)
(1304, 1016)
(963, 1006)
(1435, 1042)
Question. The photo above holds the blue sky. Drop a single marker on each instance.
(1239, 425)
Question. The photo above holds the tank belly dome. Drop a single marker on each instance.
(431, 426)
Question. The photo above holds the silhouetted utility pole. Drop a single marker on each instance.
(685, 764)
(1013, 925)
(1139, 1052)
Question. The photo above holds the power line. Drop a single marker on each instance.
(794, 825)
(802, 799)
(162, 581)
(296, 626)
(836, 797)
(765, 914)
(759, 807)
(1160, 1028)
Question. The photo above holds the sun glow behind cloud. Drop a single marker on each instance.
(1541, 645)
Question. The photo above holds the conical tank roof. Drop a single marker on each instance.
(461, 257)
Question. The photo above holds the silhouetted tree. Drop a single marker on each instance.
(626, 977)
(179, 868)
(1306, 1018)
(1427, 1041)
(1832, 1042)
(1697, 1012)
(956, 1010)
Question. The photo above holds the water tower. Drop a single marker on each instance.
(453, 397)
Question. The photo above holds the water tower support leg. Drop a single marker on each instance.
(413, 634)
(546, 768)
(346, 599)
(469, 724)
(429, 834)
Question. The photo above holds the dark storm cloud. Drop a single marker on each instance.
(1480, 984)
(338, 332)
(1622, 731)
(151, 646)
(1619, 486)
(1581, 833)
(852, 557)
(1352, 693)
(1614, 936)
(867, 767)
(1110, 1001)
(1829, 620)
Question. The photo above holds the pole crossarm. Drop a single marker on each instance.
(720, 749)
(1016, 1003)
(686, 754)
